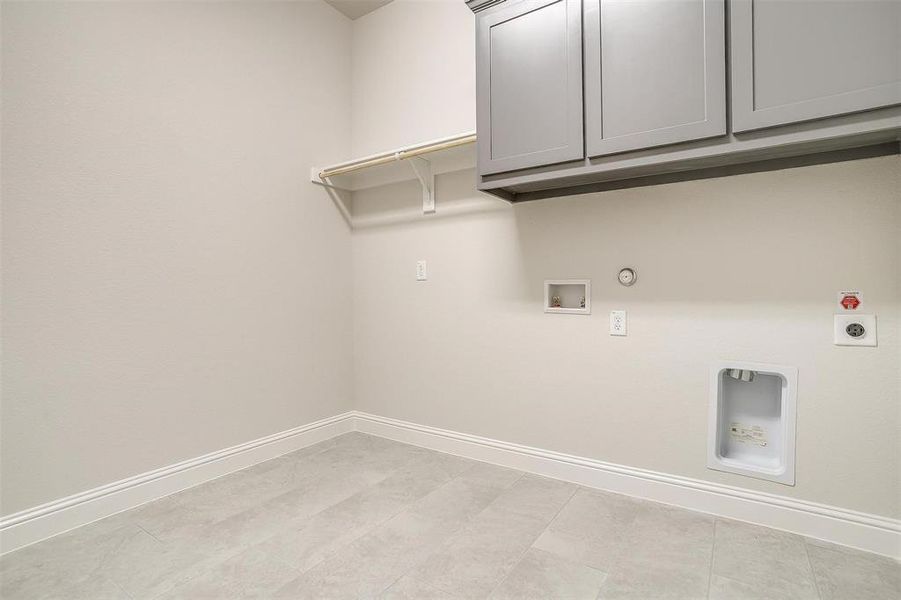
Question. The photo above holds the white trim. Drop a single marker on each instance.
(868, 532)
(38, 523)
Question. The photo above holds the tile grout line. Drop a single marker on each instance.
(138, 525)
(623, 546)
(522, 556)
(813, 575)
(198, 568)
(374, 526)
(455, 531)
(401, 510)
(326, 556)
(335, 551)
(229, 555)
(120, 588)
(410, 570)
(712, 558)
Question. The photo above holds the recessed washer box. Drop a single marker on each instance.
(573, 296)
(751, 423)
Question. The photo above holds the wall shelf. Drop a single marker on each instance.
(416, 162)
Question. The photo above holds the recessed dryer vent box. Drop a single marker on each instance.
(567, 296)
(751, 427)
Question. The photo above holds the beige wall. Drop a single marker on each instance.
(413, 73)
(744, 267)
(172, 283)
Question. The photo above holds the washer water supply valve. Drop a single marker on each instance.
(741, 374)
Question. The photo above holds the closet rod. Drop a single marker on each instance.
(380, 159)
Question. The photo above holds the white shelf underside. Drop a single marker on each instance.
(444, 160)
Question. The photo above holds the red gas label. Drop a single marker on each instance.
(850, 302)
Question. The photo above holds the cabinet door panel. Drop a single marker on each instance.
(529, 81)
(654, 73)
(797, 60)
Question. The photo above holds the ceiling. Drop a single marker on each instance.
(357, 8)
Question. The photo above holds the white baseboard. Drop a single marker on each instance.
(38, 523)
(871, 533)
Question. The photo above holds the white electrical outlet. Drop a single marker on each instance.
(618, 322)
(422, 273)
(854, 330)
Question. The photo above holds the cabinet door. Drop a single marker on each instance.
(797, 60)
(529, 85)
(654, 73)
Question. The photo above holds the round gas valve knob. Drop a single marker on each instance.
(627, 276)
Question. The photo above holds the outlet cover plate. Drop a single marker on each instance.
(840, 333)
(618, 322)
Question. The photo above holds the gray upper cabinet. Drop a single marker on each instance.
(797, 60)
(817, 78)
(529, 84)
(655, 73)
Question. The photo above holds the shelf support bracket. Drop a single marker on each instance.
(423, 170)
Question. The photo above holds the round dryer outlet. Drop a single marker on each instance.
(854, 330)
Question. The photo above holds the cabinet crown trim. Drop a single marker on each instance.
(477, 5)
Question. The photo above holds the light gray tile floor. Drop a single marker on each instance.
(363, 517)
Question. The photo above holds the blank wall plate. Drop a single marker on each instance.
(854, 330)
(422, 271)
